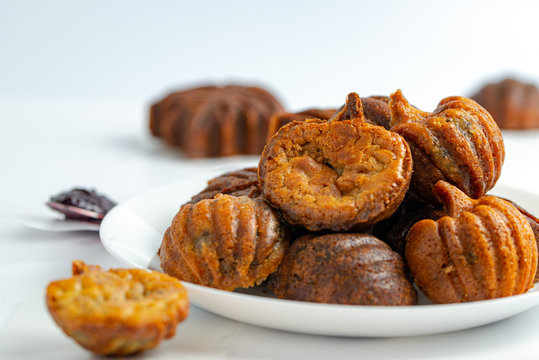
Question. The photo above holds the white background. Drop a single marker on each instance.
(76, 80)
(310, 52)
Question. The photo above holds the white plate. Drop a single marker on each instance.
(132, 232)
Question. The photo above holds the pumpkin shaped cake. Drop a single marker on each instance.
(353, 269)
(458, 142)
(482, 249)
(338, 175)
(117, 312)
(227, 242)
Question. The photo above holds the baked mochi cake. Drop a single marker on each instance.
(458, 142)
(482, 249)
(117, 312)
(353, 269)
(227, 242)
(335, 175)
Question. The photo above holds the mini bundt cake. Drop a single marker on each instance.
(482, 249)
(512, 103)
(242, 182)
(354, 269)
(215, 121)
(227, 242)
(117, 312)
(336, 175)
(459, 143)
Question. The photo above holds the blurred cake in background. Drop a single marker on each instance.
(215, 121)
(512, 103)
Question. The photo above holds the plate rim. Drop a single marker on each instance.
(532, 296)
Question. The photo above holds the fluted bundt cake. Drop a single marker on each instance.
(337, 175)
(355, 269)
(215, 121)
(119, 311)
(482, 249)
(459, 143)
(242, 182)
(227, 242)
(512, 103)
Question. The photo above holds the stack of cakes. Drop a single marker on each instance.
(381, 194)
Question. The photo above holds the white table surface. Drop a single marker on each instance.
(74, 78)
(43, 151)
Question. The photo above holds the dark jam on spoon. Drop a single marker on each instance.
(81, 204)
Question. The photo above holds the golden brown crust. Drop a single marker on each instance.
(483, 249)
(242, 182)
(335, 175)
(534, 224)
(117, 312)
(226, 242)
(215, 121)
(512, 103)
(459, 143)
(355, 269)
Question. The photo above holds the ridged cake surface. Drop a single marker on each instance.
(458, 142)
(482, 249)
(227, 242)
(215, 121)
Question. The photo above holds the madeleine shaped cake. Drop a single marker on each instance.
(482, 249)
(338, 175)
(117, 312)
(215, 121)
(458, 142)
(353, 269)
(227, 242)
